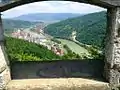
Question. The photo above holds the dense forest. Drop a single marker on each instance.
(21, 50)
(90, 28)
(10, 25)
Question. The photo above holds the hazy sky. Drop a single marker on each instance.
(51, 7)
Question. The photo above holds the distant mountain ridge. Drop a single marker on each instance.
(46, 17)
(11, 24)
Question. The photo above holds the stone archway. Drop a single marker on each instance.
(112, 46)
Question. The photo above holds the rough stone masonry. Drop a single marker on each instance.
(4, 64)
(112, 46)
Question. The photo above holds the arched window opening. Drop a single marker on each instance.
(56, 31)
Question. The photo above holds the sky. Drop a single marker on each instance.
(51, 7)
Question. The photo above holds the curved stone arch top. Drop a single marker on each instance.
(101, 3)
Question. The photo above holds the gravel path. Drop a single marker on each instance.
(57, 84)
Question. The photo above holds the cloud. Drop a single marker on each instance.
(51, 7)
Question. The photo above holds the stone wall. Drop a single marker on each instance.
(112, 49)
(58, 69)
(4, 68)
(4, 64)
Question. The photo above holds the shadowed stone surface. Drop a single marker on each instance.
(58, 69)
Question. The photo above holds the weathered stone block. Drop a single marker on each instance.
(112, 52)
(3, 63)
(4, 78)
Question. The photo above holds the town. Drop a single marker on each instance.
(39, 37)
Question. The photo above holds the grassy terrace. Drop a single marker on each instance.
(74, 47)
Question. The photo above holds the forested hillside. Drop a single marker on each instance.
(21, 50)
(11, 24)
(90, 28)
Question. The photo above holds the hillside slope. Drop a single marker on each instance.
(20, 50)
(11, 24)
(90, 28)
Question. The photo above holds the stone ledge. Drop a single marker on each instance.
(4, 78)
(57, 84)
